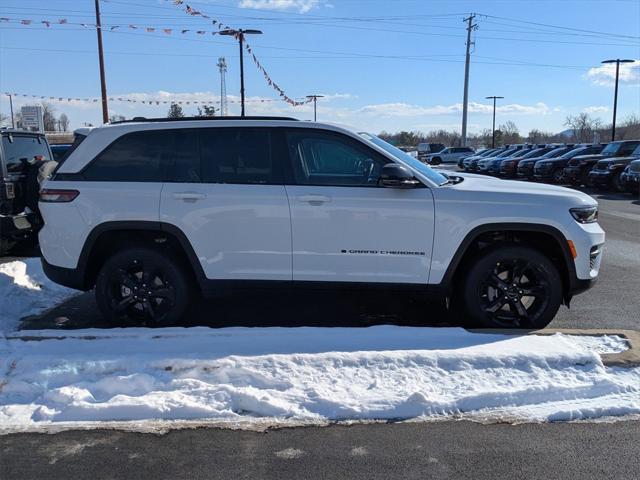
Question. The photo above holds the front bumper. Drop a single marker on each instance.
(572, 174)
(630, 181)
(600, 177)
(525, 171)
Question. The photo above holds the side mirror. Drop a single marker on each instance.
(395, 175)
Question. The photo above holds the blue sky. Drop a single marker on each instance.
(389, 65)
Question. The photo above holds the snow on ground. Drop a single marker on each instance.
(25, 290)
(266, 376)
(307, 375)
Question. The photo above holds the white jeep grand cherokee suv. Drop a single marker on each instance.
(153, 212)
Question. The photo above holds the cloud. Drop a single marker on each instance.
(596, 109)
(606, 74)
(408, 110)
(302, 6)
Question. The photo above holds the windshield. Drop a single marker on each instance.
(535, 153)
(507, 153)
(20, 148)
(407, 159)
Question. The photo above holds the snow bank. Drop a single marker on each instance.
(307, 375)
(25, 290)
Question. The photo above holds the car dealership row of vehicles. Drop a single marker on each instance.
(615, 165)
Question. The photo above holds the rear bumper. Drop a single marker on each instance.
(69, 277)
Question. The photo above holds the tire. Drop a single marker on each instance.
(436, 161)
(616, 183)
(496, 286)
(143, 286)
(557, 175)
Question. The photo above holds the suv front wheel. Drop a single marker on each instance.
(512, 287)
(143, 286)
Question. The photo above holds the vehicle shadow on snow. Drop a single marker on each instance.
(269, 309)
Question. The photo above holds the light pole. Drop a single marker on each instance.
(315, 102)
(11, 109)
(493, 130)
(103, 82)
(617, 61)
(239, 34)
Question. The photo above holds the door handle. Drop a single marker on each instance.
(314, 199)
(189, 195)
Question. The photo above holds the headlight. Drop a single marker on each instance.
(585, 214)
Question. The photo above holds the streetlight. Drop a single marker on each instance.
(239, 34)
(315, 100)
(493, 130)
(617, 61)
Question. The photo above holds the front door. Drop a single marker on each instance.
(346, 228)
(228, 197)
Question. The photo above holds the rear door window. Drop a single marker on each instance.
(18, 149)
(238, 156)
(148, 156)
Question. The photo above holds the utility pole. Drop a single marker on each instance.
(11, 108)
(103, 82)
(315, 102)
(465, 103)
(493, 129)
(239, 35)
(617, 61)
(222, 66)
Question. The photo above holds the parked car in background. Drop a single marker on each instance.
(449, 155)
(481, 154)
(552, 169)
(526, 165)
(578, 168)
(59, 151)
(630, 177)
(425, 149)
(22, 154)
(474, 165)
(606, 173)
(464, 162)
(509, 165)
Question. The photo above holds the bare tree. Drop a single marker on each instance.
(509, 134)
(583, 126)
(49, 117)
(63, 121)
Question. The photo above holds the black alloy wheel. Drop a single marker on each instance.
(513, 287)
(141, 286)
(617, 184)
(557, 175)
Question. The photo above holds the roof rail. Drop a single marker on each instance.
(185, 119)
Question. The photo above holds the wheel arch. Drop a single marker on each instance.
(545, 238)
(106, 237)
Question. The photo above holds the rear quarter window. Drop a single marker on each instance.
(148, 156)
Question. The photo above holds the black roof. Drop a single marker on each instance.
(184, 119)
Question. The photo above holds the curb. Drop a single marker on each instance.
(628, 358)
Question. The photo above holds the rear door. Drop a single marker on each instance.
(227, 196)
(346, 228)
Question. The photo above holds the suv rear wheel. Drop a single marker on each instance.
(512, 287)
(143, 286)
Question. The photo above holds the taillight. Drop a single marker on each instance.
(55, 195)
(10, 190)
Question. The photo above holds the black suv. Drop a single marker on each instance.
(21, 156)
(552, 169)
(577, 170)
(606, 173)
